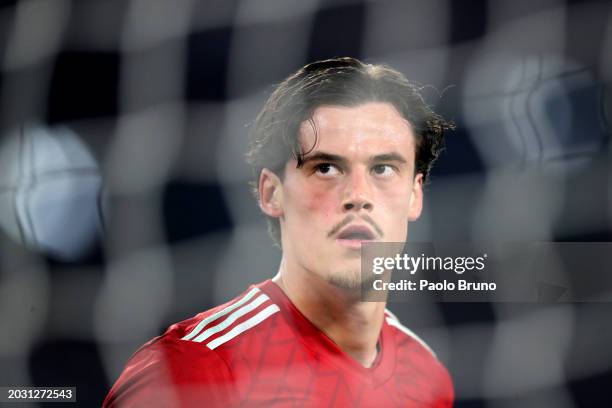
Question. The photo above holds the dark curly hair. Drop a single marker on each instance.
(338, 81)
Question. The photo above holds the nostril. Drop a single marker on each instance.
(349, 206)
(367, 206)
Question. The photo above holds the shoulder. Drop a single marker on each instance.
(418, 361)
(393, 321)
(170, 372)
(194, 356)
(229, 323)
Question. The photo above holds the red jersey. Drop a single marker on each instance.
(259, 350)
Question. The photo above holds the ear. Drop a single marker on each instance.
(416, 198)
(270, 194)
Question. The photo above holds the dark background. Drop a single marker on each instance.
(159, 96)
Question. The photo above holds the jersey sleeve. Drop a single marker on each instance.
(173, 373)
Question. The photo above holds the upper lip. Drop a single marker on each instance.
(357, 232)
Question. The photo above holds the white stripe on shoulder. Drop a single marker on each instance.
(231, 318)
(391, 314)
(244, 326)
(392, 320)
(220, 313)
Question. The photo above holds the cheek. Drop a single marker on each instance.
(396, 201)
(319, 202)
(394, 215)
(312, 205)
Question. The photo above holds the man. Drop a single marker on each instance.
(340, 151)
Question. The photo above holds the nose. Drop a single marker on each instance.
(357, 194)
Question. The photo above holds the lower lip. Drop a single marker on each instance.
(352, 243)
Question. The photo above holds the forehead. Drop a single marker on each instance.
(370, 128)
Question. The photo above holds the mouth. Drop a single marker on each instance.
(354, 236)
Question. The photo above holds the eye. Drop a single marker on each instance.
(327, 169)
(383, 170)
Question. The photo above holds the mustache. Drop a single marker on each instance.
(350, 218)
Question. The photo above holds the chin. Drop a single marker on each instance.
(349, 281)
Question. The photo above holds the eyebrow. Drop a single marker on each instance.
(325, 157)
(334, 158)
(389, 157)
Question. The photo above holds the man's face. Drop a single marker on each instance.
(356, 185)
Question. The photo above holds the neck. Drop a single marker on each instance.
(352, 324)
